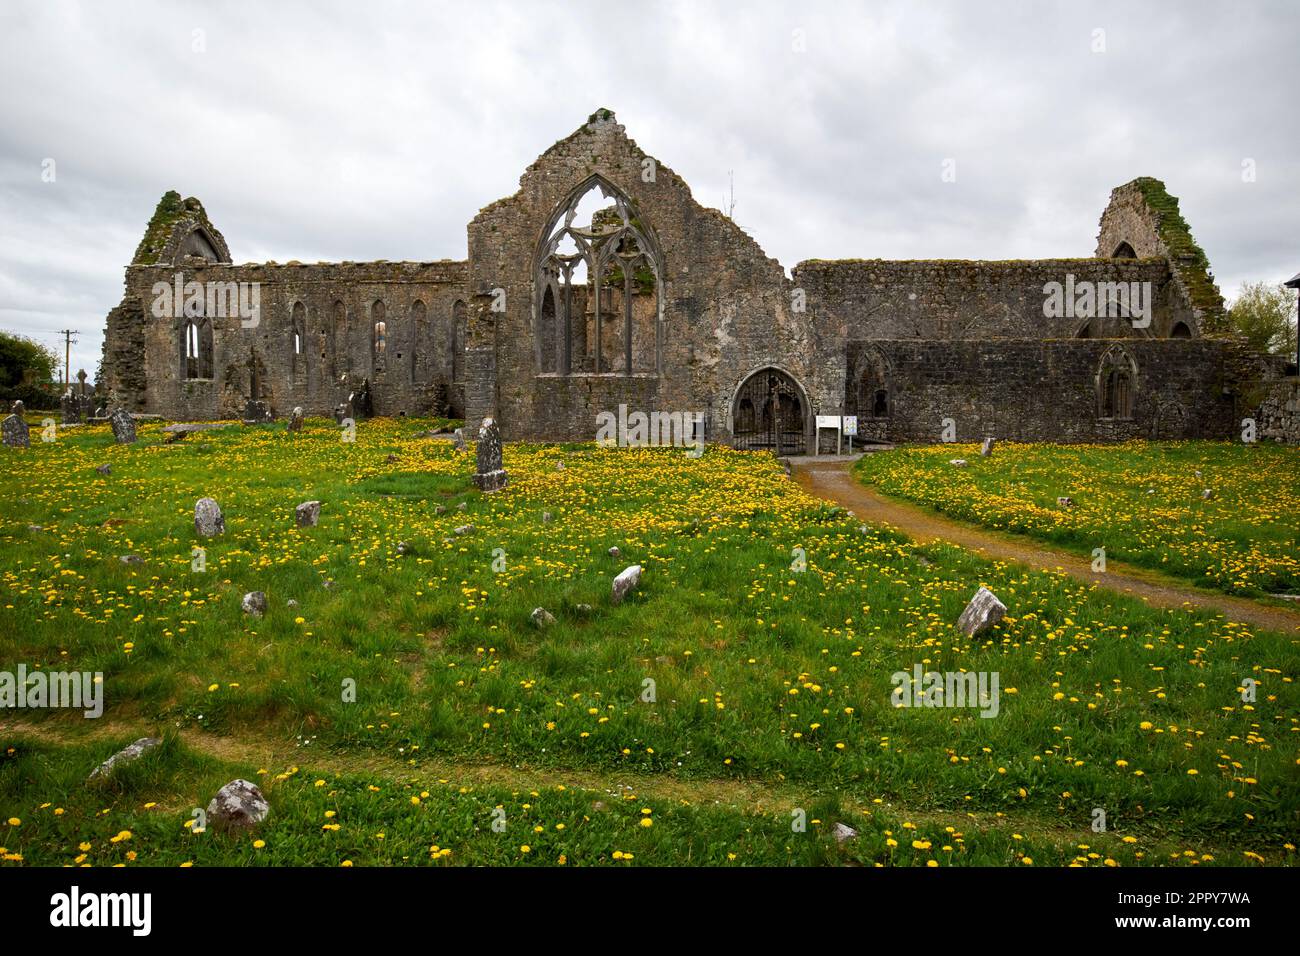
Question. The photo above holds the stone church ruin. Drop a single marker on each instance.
(602, 283)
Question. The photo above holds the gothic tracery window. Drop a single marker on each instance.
(1116, 383)
(597, 291)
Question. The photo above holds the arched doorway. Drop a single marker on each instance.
(769, 414)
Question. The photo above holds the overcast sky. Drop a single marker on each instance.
(369, 130)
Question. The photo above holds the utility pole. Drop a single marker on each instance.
(67, 353)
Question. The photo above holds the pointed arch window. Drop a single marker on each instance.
(598, 288)
(298, 343)
(378, 337)
(1116, 385)
(196, 349)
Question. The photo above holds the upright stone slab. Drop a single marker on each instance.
(987, 448)
(258, 412)
(295, 419)
(14, 428)
(491, 476)
(983, 611)
(208, 519)
(123, 426)
(70, 408)
(307, 514)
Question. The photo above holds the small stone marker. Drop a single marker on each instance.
(987, 448)
(254, 603)
(1207, 494)
(125, 755)
(15, 430)
(208, 519)
(131, 559)
(958, 462)
(105, 469)
(463, 529)
(307, 514)
(626, 581)
(295, 419)
(491, 475)
(542, 617)
(123, 426)
(1065, 502)
(843, 832)
(239, 805)
(983, 611)
(615, 553)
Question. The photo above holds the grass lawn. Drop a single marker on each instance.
(743, 688)
(1141, 501)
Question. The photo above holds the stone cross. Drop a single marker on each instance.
(491, 475)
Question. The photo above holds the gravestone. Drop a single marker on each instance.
(239, 805)
(208, 519)
(295, 419)
(458, 441)
(123, 426)
(307, 514)
(625, 583)
(983, 611)
(342, 412)
(257, 412)
(491, 476)
(15, 430)
(70, 408)
(987, 448)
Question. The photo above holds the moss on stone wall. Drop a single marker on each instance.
(1186, 257)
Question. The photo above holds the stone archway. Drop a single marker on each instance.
(769, 412)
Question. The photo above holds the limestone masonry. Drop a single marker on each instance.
(601, 283)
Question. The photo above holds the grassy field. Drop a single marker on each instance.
(1140, 501)
(744, 687)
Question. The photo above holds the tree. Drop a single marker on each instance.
(1265, 315)
(23, 360)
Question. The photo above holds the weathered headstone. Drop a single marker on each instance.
(254, 603)
(986, 449)
(958, 462)
(208, 519)
(295, 419)
(307, 514)
(458, 441)
(342, 411)
(615, 553)
(70, 408)
(105, 469)
(1065, 502)
(626, 581)
(491, 476)
(258, 412)
(239, 805)
(1207, 494)
(983, 611)
(123, 426)
(125, 755)
(14, 429)
(542, 617)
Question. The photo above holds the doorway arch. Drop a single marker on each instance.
(769, 412)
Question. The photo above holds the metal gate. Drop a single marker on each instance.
(769, 416)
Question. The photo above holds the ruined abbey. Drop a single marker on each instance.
(601, 283)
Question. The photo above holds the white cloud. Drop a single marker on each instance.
(376, 130)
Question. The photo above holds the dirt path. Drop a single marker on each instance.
(831, 480)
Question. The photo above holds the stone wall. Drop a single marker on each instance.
(336, 305)
(1279, 414)
(1043, 390)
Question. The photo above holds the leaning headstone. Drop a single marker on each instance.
(239, 805)
(628, 579)
(295, 419)
(254, 603)
(14, 429)
(208, 519)
(491, 476)
(986, 449)
(307, 514)
(983, 611)
(458, 441)
(125, 755)
(542, 617)
(123, 426)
